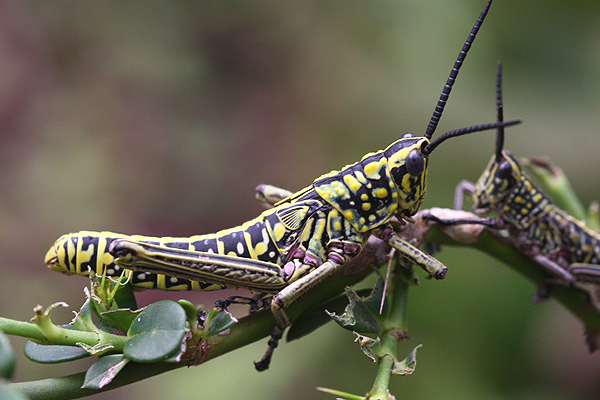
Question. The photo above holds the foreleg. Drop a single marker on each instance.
(431, 265)
(462, 188)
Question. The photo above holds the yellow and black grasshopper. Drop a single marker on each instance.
(290, 248)
(564, 246)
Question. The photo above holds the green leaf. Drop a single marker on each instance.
(53, 354)
(371, 347)
(120, 319)
(83, 319)
(408, 365)
(311, 320)
(156, 333)
(7, 359)
(103, 371)
(219, 320)
(362, 313)
(125, 298)
(191, 312)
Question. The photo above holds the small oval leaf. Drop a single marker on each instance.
(125, 297)
(190, 310)
(120, 319)
(103, 371)
(156, 333)
(53, 354)
(220, 321)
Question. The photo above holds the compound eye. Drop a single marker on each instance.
(415, 163)
(504, 170)
(407, 135)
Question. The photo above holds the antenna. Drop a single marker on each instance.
(469, 129)
(439, 108)
(499, 113)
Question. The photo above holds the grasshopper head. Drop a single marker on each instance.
(56, 258)
(407, 161)
(503, 172)
(496, 182)
(407, 165)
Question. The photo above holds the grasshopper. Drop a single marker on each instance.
(288, 249)
(561, 244)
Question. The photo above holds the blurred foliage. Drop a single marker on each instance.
(159, 118)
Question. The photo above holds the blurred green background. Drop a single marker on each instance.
(160, 118)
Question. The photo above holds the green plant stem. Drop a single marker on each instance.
(397, 315)
(382, 380)
(24, 329)
(62, 336)
(389, 346)
(397, 331)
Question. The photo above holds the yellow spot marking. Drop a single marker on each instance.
(352, 182)
(337, 225)
(260, 248)
(372, 170)
(366, 206)
(381, 192)
(362, 220)
(372, 217)
(364, 197)
(278, 231)
(348, 214)
(537, 198)
(232, 253)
